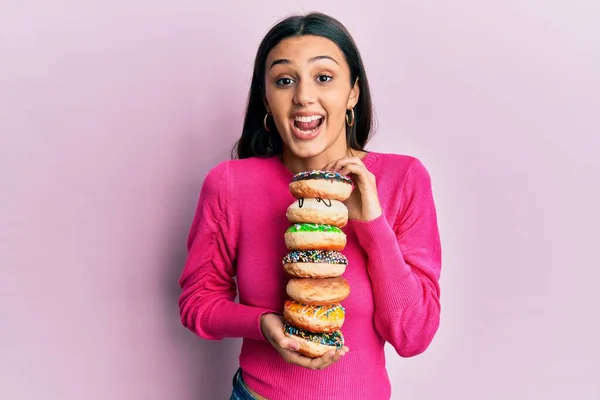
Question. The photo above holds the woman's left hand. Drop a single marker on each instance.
(363, 203)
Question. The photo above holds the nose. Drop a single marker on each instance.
(305, 93)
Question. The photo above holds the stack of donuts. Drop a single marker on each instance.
(313, 313)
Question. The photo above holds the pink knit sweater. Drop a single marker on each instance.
(393, 269)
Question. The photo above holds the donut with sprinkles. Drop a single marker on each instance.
(317, 319)
(321, 184)
(314, 344)
(314, 237)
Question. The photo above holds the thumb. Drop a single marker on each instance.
(289, 344)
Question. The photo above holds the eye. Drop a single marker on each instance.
(324, 78)
(284, 81)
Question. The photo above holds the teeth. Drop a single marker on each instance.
(308, 131)
(308, 119)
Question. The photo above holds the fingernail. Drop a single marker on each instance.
(331, 353)
(294, 346)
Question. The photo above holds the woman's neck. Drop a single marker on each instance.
(296, 164)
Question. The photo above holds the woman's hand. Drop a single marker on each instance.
(271, 326)
(363, 203)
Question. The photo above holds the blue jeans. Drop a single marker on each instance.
(240, 391)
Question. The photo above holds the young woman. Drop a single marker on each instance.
(309, 108)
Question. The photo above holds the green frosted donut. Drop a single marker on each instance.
(313, 228)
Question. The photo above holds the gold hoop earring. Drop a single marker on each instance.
(265, 122)
(350, 123)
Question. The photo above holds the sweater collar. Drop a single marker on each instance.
(286, 174)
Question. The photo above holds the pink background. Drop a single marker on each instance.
(112, 112)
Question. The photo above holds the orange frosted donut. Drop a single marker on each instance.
(316, 319)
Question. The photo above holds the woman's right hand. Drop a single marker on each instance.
(271, 326)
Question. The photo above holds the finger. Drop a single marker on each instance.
(345, 171)
(339, 164)
(298, 359)
(330, 358)
(339, 354)
(308, 362)
(315, 363)
(351, 160)
(332, 166)
(342, 162)
(324, 361)
(286, 343)
(360, 171)
(333, 358)
(279, 339)
(328, 166)
(356, 160)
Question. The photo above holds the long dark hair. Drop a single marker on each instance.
(255, 140)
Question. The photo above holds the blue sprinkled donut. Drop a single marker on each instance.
(314, 344)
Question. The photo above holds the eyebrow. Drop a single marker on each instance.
(313, 59)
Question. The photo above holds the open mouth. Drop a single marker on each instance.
(309, 124)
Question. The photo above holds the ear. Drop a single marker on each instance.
(354, 93)
(266, 105)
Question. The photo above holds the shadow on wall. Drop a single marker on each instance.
(208, 365)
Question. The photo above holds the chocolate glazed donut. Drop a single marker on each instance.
(321, 184)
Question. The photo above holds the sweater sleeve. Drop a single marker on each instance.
(404, 264)
(206, 303)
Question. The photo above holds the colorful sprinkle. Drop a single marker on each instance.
(329, 339)
(314, 228)
(333, 312)
(315, 256)
(317, 174)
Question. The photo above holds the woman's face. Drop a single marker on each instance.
(308, 90)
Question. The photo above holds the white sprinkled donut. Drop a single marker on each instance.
(314, 263)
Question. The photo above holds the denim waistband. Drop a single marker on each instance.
(240, 391)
